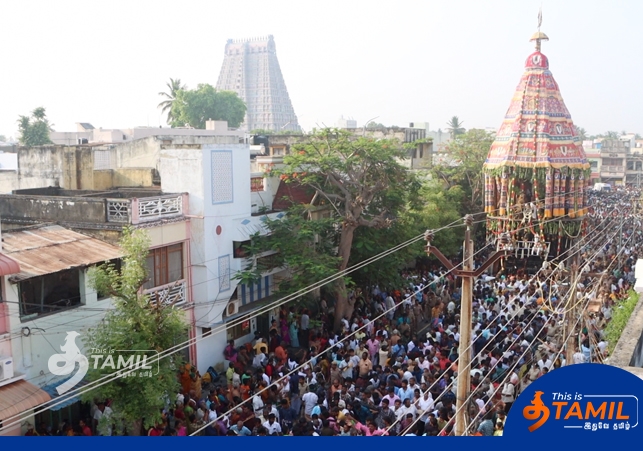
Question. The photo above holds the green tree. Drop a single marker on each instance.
(582, 133)
(195, 107)
(34, 130)
(465, 157)
(294, 241)
(3, 139)
(135, 323)
(173, 87)
(431, 209)
(375, 126)
(363, 182)
(455, 127)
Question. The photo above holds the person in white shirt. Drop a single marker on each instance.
(103, 427)
(310, 401)
(406, 408)
(390, 304)
(257, 404)
(508, 395)
(272, 425)
(425, 405)
(423, 363)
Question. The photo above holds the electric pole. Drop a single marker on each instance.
(464, 353)
(468, 275)
(570, 325)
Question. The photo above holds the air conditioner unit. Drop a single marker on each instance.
(233, 308)
(6, 368)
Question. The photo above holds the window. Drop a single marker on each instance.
(278, 150)
(240, 248)
(239, 331)
(50, 293)
(164, 265)
(256, 184)
(206, 331)
(593, 164)
(269, 262)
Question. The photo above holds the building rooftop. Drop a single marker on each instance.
(50, 249)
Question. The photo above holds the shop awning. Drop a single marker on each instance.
(20, 396)
(68, 400)
(8, 266)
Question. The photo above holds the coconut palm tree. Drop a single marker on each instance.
(173, 86)
(455, 127)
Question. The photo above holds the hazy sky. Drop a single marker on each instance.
(104, 62)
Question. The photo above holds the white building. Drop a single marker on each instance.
(86, 133)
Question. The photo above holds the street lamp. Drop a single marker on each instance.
(366, 123)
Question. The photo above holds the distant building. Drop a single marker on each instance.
(87, 134)
(346, 123)
(251, 69)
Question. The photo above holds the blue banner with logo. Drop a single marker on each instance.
(579, 402)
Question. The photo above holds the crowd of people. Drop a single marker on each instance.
(393, 368)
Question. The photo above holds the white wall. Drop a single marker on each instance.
(34, 341)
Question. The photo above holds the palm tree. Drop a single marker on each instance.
(173, 86)
(455, 127)
(582, 133)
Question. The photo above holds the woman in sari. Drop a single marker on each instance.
(294, 336)
(285, 330)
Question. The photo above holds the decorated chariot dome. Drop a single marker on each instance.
(536, 172)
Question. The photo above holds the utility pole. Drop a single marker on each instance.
(464, 353)
(570, 323)
(468, 275)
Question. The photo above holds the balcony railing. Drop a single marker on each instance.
(146, 209)
(605, 168)
(174, 293)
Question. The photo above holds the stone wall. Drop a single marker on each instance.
(47, 209)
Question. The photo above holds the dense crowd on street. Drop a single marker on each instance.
(392, 369)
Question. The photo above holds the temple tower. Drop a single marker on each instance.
(251, 69)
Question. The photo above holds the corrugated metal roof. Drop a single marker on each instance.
(19, 397)
(49, 249)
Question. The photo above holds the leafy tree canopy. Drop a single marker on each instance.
(34, 129)
(464, 158)
(194, 107)
(360, 180)
(306, 247)
(135, 323)
(433, 208)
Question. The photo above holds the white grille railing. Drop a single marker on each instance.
(170, 294)
(153, 209)
(118, 211)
